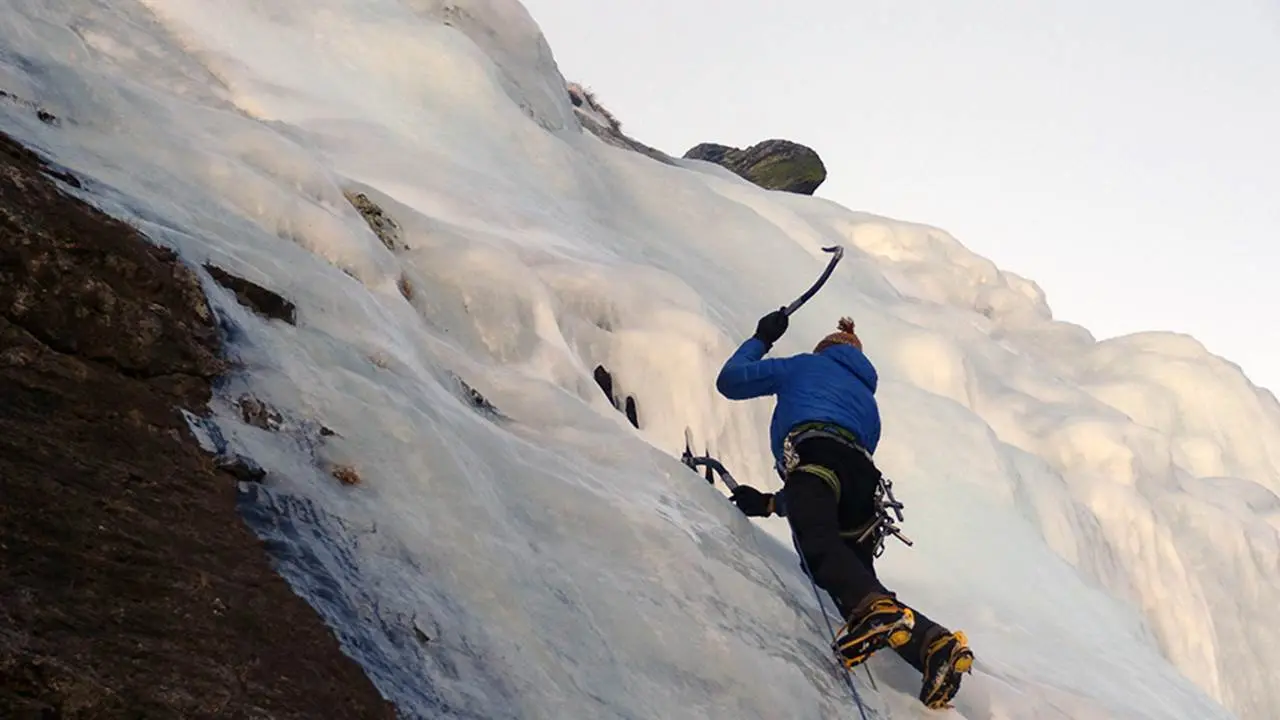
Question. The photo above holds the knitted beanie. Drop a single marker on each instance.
(844, 335)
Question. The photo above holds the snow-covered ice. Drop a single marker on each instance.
(1101, 518)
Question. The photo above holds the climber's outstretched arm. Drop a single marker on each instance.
(746, 375)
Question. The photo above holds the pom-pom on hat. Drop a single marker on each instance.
(844, 335)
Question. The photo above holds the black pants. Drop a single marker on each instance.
(840, 565)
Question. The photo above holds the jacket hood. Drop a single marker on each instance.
(853, 360)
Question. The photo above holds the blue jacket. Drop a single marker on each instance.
(837, 386)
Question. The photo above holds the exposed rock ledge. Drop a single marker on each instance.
(600, 122)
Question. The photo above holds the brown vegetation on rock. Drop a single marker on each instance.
(346, 475)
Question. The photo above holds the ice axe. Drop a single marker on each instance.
(837, 253)
(707, 462)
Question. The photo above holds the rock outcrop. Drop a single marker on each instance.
(772, 164)
(382, 224)
(129, 584)
(600, 122)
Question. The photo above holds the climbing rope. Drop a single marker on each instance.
(711, 465)
(831, 632)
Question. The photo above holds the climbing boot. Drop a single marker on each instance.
(881, 621)
(946, 659)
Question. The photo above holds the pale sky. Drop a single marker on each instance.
(1125, 155)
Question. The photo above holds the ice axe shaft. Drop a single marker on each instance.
(837, 253)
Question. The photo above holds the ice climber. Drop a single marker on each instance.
(825, 427)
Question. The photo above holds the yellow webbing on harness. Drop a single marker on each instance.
(830, 478)
(826, 474)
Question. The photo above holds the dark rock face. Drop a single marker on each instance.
(129, 584)
(628, 407)
(772, 164)
(265, 302)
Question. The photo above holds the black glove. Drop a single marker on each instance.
(752, 502)
(771, 326)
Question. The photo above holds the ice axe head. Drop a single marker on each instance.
(837, 252)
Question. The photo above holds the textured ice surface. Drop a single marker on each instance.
(1100, 518)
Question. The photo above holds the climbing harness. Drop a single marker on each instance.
(882, 524)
